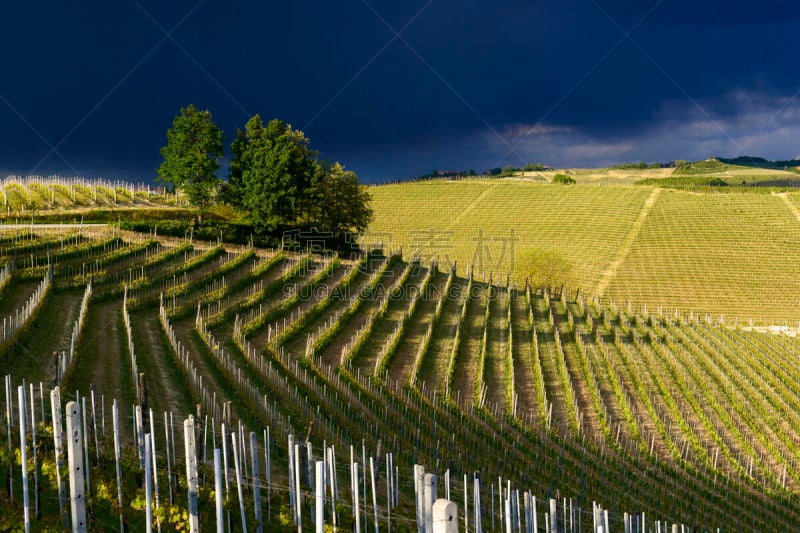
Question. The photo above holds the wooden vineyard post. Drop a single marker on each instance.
(76, 476)
(58, 448)
(191, 473)
(445, 516)
(23, 452)
(218, 490)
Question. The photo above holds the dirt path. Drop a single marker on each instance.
(14, 296)
(311, 298)
(648, 430)
(622, 252)
(260, 338)
(790, 204)
(470, 208)
(403, 362)
(385, 328)
(469, 351)
(434, 370)
(547, 356)
(272, 274)
(332, 355)
(166, 387)
(524, 376)
(99, 359)
(32, 356)
(496, 374)
(212, 379)
(590, 421)
(298, 343)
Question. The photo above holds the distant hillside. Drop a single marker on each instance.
(760, 162)
(725, 253)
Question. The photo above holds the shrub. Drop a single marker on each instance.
(563, 179)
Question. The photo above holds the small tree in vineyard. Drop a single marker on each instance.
(191, 155)
(545, 268)
(341, 203)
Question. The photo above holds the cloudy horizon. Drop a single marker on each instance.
(396, 90)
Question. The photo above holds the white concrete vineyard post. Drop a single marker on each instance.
(256, 483)
(319, 505)
(169, 466)
(148, 489)
(58, 446)
(298, 496)
(236, 465)
(476, 504)
(508, 515)
(428, 497)
(374, 496)
(191, 473)
(23, 451)
(115, 416)
(218, 490)
(76, 476)
(354, 492)
(445, 516)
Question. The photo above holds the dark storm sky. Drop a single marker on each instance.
(396, 88)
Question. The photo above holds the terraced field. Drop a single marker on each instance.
(685, 419)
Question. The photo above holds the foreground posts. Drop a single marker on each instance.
(76, 475)
(445, 516)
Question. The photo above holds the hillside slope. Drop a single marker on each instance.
(725, 254)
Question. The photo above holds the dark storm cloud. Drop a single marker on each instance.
(100, 81)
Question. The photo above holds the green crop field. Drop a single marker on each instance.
(687, 416)
(723, 253)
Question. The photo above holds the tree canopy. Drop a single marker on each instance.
(277, 179)
(273, 176)
(191, 155)
(545, 268)
(278, 171)
(343, 203)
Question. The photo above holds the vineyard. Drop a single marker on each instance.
(307, 387)
(33, 193)
(729, 254)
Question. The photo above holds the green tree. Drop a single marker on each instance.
(544, 268)
(278, 173)
(191, 155)
(340, 203)
(233, 189)
(564, 179)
